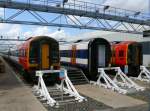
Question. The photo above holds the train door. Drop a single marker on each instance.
(73, 58)
(45, 56)
(101, 55)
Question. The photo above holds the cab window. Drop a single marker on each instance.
(121, 53)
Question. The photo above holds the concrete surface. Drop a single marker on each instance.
(109, 97)
(14, 95)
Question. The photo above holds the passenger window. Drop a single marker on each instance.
(121, 53)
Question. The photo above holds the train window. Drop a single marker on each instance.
(16, 53)
(34, 51)
(20, 53)
(55, 53)
(55, 56)
(121, 53)
(24, 53)
(63, 53)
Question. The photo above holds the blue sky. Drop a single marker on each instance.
(23, 29)
(26, 30)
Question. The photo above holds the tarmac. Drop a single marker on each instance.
(117, 102)
(14, 95)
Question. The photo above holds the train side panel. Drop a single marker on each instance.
(74, 54)
(23, 57)
(88, 55)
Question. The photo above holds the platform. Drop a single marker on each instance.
(112, 99)
(14, 95)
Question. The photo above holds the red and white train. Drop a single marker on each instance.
(36, 53)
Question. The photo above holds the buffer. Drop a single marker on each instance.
(59, 94)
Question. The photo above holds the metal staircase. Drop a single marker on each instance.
(77, 77)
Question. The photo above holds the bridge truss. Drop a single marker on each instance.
(74, 14)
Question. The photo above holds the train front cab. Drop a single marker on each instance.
(99, 56)
(127, 55)
(43, 54)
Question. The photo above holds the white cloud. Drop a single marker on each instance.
(10, 30)
(37, 31)
(47, 32)
(59, 35)
(14, 31)
(136, 5)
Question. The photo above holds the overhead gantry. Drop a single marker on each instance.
(75, 14)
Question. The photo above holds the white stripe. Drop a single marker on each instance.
(81, 61)
(83, 45)
(78, 60)
(65, 59)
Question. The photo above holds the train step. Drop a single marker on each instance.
(77, 77)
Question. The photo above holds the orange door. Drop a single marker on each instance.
(73, 58)
(45, 56)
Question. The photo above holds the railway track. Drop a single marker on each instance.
(88, 105)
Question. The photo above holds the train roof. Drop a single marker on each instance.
(84, 40)
(39, 37)
(127, 42)
(30, 39)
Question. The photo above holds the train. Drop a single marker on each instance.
(91, 54)
(44, 53)
(36, 53)
(88, 55)
(128, 55)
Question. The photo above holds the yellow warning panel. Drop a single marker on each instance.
(45, 56)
